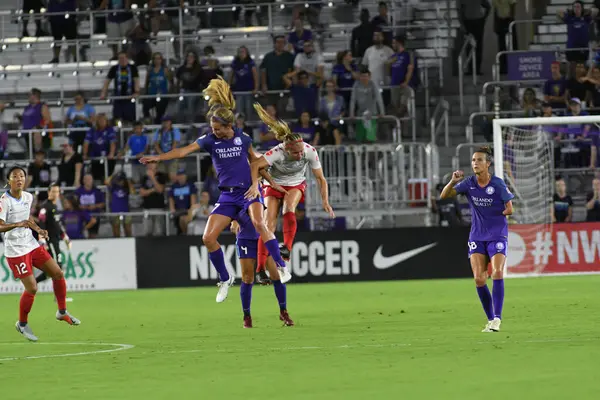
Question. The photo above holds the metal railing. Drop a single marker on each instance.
(486, 85)
(435, 126)
(463, 61)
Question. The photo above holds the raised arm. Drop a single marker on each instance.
(449, 190)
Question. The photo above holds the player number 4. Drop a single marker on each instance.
(244, 249)
(21, 268)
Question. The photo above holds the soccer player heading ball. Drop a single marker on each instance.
(23, 252)
(490, 202)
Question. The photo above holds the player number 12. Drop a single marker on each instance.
(21, 268)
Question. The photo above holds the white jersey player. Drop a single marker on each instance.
(23, 252)
(287, 165)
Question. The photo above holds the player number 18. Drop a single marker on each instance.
(472, 245)
(21, 268)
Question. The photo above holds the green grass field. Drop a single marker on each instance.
(409, 340)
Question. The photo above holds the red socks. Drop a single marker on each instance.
(60, 291)
(25, 305)
(262, 256)
(289, 229)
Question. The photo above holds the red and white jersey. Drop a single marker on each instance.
(288, 172)
(19, 241)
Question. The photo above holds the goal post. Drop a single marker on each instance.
(526, 147)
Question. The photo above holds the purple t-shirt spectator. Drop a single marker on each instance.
(244, 79)
(99, 141)
(343, 76)
(578, 30)
(269, 144)
(182, 195)
(119, 197)
(75, 222)
(298, 41)
(556, 88)
(308, 134)
(305, 99)
(89, 197)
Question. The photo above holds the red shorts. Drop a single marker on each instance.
(23, 266)
(268, 191)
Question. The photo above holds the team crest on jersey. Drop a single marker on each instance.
(237, 141)
(269, 152)
(490, 190)
(499, 246)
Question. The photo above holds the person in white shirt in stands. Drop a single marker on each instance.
(311, 62)
(23, 252)
(375, 58)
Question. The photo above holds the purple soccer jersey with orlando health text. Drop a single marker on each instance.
(489, 227)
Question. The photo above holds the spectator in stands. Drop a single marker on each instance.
(240, 122)
(576, 153)
(326, 133)
(182, 198)
(189, 80)
(200, 214)
(448, 209)
(305, 128)
(153, 195)
(70, 167)
(91, 199)
(33, 6)
(311, 62)
(504, 14)
(562, 210)
(344, 73)
(244, 78)
(331, 103)
(169, 19)
(38, 175)
(250, 7)
(593, 202)
(100, 141)
(267, 138)
(403, 77)
(120, 188)
(77, 220)
(304, 93)
(579, 86)
(473, 15)
(63, 27)
(275, 65)
(137, 146)
(210, 64)
(298, 36)
(362, 35)
(211, 184)
(79, 115)
(555, 89)
(167, 138)
(383, 23)
(366, 96)
(126, 80)
(375, 58)
(311, 13)
(36, 116)
(529, 103)
(593, 81)
(120, 22)
(158, 82)
(578, 21)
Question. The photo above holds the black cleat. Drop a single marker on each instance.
(262, 278)
(285, 252)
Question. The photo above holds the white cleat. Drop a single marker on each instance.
(26, 332)
(224, 289)
(284, 274)
(495, 324)
(67, 299)
(488, 327)
(68, 318)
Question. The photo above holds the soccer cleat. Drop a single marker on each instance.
(247, 321)
(262, 278)
(67, 299)
(284, 274)
(68, 318)
(285, 252)
(224, 289)
(495, 324)
(488, 327)
(26, 332)
(285, 317)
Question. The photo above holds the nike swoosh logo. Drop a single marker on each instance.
(382, 262)
(217, 142)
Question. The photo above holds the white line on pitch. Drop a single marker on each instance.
(345, 346)
(117, 347)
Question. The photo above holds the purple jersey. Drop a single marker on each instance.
(119, 201)
(230, 158)
(487, 204)
(89, 197)
(75, 222)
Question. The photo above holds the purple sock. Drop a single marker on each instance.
(246, 296)
(218, 260)
(486, 301)
(498, 295)
(280, 293)
(273, 249)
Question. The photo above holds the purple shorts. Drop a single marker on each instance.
(231, 202)
(247, 248)
(490, 249)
